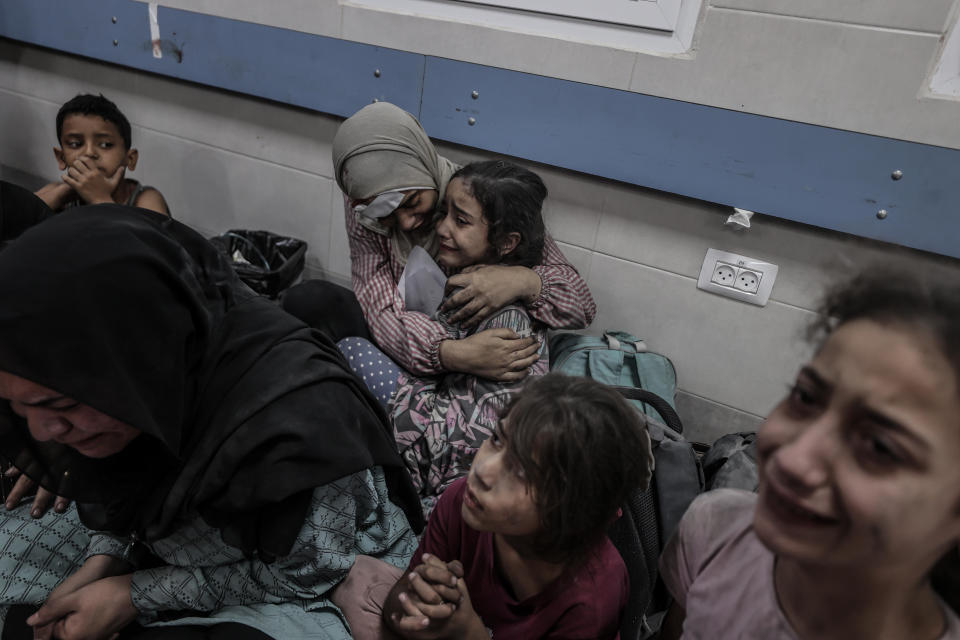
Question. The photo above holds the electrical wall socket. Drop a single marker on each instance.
(737, 277)
(724, 274)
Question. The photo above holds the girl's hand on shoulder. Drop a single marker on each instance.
(496, 354)
(488, 288)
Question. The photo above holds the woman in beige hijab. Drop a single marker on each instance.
(394, 184)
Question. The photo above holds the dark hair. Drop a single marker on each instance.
(583, 449)
(896, 297)
(87, 104)
(511, 198)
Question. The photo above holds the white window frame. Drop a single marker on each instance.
(945, 80)
(670, 32)
(649, 14)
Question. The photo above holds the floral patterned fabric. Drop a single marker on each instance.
(440, 422)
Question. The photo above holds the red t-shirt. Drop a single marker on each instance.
(584, 606)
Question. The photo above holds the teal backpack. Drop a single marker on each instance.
(649, 381)
(617, 359)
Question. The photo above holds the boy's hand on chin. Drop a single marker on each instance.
(488, 288)
(91, 185)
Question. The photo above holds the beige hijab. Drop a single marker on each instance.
(381, 148)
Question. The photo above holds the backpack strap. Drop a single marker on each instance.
(615, 339)
(669, 415)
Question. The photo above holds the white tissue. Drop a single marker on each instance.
(740, 218)
(422, 283)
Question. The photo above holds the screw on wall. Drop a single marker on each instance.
(896, 175)
(474, 94)
(471, 121)
(376, 73)
(113, 19)
(882, 214)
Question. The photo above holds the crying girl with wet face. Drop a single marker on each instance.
(859, 496)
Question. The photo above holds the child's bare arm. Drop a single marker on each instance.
(55, 194)
(153, 200)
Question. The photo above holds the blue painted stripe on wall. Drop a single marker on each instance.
(326, 74)
(826, 177)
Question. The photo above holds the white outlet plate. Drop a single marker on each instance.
(738, 277)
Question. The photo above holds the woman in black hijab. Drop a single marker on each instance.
(193, 420)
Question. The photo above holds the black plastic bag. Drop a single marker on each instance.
(268, 263)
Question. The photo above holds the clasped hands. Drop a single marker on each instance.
(435, 603)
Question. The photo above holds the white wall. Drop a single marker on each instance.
(224, 160)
